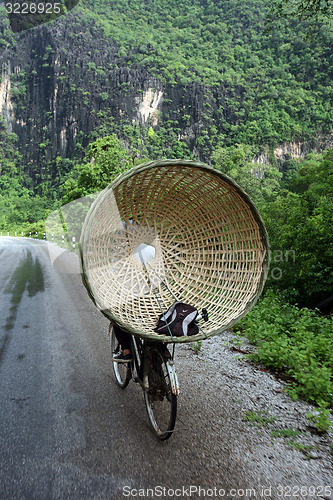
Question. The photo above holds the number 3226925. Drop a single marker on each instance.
(33, 8)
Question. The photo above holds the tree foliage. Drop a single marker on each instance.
(260, 182)
(315, 12)
(105, 159)
(300, 220)
(298, 214)
(17, 205)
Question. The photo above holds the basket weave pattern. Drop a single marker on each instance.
(211, 247)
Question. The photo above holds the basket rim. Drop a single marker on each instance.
(177, 164)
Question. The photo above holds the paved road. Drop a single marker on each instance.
(68, 432)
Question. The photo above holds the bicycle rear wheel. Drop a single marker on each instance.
(122, 371)
(161, 403)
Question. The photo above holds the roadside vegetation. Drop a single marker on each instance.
(297, 343)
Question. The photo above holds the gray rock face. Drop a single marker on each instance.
(60, 81)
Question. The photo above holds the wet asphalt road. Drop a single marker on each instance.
(67, 431)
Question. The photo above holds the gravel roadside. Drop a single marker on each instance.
(248, 403)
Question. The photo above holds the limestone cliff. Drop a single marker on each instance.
(61, 81)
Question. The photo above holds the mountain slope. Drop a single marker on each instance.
(200, 73)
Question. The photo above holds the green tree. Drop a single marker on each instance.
(17, 204)
(260, 182)
(313, 11)
(299, 224)
(105, 159)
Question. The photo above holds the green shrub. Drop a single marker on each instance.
(297, 342)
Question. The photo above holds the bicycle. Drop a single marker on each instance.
(153, 368)
(204, 237)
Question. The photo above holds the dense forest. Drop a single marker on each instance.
(127, 81)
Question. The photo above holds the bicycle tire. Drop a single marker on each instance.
(121, 370)
(161, 403)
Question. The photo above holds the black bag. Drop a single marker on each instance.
(179, 319)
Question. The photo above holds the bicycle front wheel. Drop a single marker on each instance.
(122, 371)
(161, 403)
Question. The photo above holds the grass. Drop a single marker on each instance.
(196, 346)
(261, 419)
(297, 343)
(258, 418)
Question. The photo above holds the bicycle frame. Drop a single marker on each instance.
(136, 366)
(138, 350)
(153, 368)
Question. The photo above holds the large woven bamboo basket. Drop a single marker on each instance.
(205, 240)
